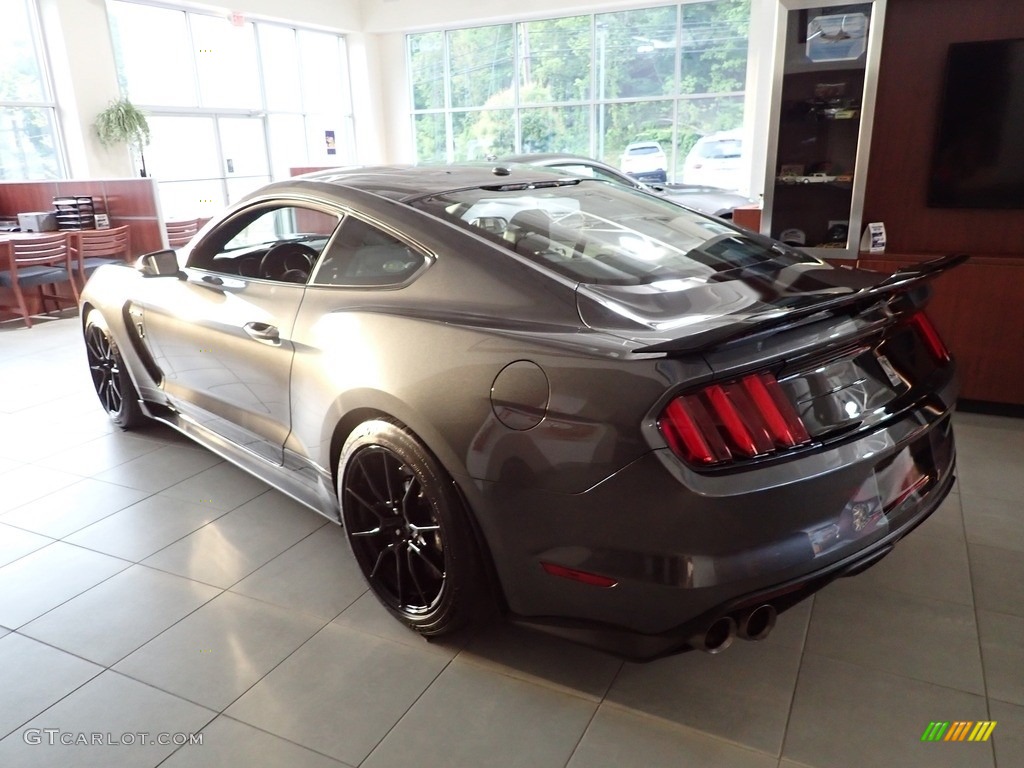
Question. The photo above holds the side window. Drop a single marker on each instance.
(361, 254)
(271, 242)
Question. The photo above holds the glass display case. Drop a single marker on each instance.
(826, 64)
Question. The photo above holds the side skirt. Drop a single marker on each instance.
(300, 479)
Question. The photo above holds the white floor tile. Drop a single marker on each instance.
(129, 721)
(42, 580)
(218, 652)
(115, 617)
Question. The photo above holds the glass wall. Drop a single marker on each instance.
(232, 103)
(590, 85)
(29, 140)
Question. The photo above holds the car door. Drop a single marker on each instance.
(222, 336)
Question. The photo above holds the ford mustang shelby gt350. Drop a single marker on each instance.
(622, 421)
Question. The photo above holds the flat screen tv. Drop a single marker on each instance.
(978, 159)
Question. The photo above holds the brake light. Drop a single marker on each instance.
(741, 419)
(930, 336)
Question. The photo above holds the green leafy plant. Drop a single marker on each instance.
(123, 123)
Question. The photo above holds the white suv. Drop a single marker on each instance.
(715, 160)
(645, 161)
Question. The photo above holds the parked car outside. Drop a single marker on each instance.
(716, 160)
(716, 202)
(613, 418)
(645, 160)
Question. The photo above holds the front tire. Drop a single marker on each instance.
(408, 530)
(110, 378)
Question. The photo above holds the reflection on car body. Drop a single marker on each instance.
(616, 419)
(698, 197)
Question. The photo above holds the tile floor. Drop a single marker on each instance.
(146, 587)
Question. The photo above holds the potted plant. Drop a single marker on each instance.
(123, 123)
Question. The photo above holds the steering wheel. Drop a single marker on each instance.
(286, 257)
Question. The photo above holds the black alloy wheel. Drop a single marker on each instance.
(109, 378)
(407, 529)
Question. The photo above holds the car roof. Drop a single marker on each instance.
(639, 144)
(410, 182)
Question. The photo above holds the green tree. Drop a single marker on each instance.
(641, 92)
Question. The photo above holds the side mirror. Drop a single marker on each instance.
(159, 264)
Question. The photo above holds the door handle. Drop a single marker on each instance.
(212, 280)
(269, 334)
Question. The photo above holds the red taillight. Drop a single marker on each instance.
(936, 348)
(739, 419)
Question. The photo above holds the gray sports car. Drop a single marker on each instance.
(611, 417)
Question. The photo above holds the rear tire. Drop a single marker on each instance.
(110, 378)
(408, 530)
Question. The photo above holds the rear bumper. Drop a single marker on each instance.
(686, 549)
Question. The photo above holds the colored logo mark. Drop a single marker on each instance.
(959, 730)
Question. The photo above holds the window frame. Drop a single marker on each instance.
(49, 101)
(204, 252)
(428, 258)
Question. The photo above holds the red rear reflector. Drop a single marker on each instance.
(746, 418)
(936, 348)
(593, 579)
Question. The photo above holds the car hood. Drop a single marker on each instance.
(691, 314)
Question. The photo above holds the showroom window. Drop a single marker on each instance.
(590, 84)
(232, 103)
(30, 146)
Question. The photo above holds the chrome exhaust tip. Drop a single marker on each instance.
(757, 624)
(718, 636)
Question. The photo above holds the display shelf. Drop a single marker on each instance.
(826, 62)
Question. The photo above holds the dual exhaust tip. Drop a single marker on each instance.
(755, 624)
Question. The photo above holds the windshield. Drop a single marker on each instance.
(600, 234)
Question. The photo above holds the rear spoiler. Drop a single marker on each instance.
(901, 280)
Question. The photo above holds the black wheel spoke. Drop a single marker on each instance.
(398, 577)
(424, 601)
(422, 528)
(438, 573)
(409, 496)
(369, 481)
(371, 532)
(380, 559)
(384, 457)
(366, 504)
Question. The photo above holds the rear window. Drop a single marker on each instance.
(648, 149)
(601, 234)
